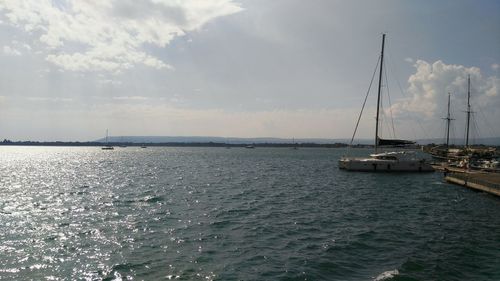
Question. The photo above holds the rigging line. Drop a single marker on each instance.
(389, 99)
(404, 94)
(475, 131)
(465, 135)
(492, 130)
(384, 119)
(444, 132)
(364, 102)
(422, 128)
(452, 128)
(447, 122)
(453, 135)
(468, 132)
(416, 120)
(381, 118)
(394, 75)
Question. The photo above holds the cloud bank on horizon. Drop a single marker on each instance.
(238, 68)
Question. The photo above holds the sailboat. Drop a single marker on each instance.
(395, 161)
(466, 157)
(476, 158)
(107, 146)
(294, 144)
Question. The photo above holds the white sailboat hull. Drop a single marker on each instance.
(378, 165)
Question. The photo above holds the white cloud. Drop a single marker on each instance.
(431, 83)
(111, 82)
(495, 66)
(16, 48)
(410, 60)
(131, 98)
(110, 35)
(49, 99)
(10, 51)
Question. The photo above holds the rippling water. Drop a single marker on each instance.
(234, 214)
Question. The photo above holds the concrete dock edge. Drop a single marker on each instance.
(473, 182)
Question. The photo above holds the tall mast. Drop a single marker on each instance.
(448, 120)
(378, 95)
(468, 112)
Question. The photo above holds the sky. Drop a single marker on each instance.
(70, 69)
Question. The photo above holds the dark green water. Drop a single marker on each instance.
(234, 214)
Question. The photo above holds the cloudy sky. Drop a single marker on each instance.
(244, 68)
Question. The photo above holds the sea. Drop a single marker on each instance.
(167, 213)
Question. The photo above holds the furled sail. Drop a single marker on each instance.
(394, 142)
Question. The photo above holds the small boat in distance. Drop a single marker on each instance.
(401, 161)
(295, 147)
(107, 146)
(250, 146)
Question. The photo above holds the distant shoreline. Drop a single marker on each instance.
(206, 144)
(174, 144)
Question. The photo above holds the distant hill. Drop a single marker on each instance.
(202, 139)
(231, 140)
